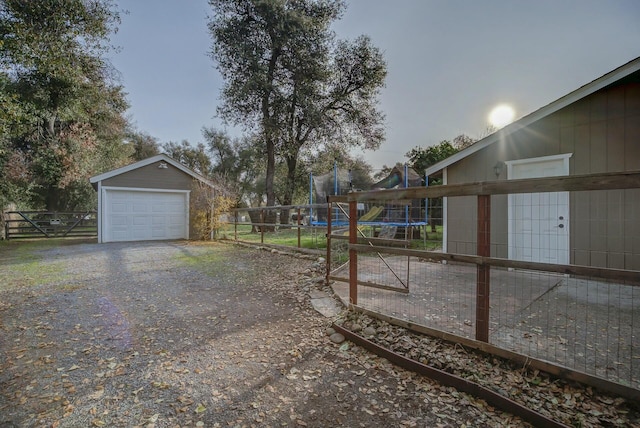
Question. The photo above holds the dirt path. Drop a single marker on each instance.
(178, 334)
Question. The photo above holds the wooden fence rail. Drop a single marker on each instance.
(584, 278)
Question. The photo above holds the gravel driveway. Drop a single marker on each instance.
(185, 334)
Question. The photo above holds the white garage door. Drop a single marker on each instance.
(142, 215)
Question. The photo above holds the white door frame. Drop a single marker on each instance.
(564, 158)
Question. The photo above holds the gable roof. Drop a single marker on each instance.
(148, 161)
(582, 92)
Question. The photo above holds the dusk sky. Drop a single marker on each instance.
(449, 62)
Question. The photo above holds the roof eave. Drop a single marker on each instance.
(148, 161)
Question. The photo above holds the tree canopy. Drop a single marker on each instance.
(144, 145)
(62, 112)
(237, 162)
(421, 158)
(292, 84)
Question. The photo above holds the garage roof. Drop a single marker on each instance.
(148, 161)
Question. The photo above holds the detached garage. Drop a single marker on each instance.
(147, 200)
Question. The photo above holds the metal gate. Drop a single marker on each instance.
(49, 224)
(396, 277)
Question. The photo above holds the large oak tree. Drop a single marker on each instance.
(290, 81)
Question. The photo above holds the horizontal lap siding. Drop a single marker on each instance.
(152, 177)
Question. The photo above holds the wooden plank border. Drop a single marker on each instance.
(524, 360)
(571, 183)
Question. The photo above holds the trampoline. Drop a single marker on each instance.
(399, 215)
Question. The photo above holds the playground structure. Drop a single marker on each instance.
(395, 222)
(400, 219)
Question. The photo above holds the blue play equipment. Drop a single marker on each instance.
(338, 182)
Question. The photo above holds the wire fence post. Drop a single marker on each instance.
(262, 226)
(483, 271)
(299, 227)
(353, 254)
(235, 226)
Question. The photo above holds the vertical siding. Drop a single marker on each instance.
(615, 229)
(615, 132)
(598, 147)
(499, 226)
(603, 133)
(632, 228)
(632, 143)
(582, 147)
(597, 228)
(462, 229)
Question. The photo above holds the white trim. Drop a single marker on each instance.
(563, 156)
(100, 216)
(445, 217)
(145, 189)
(187, 214)
(572, 97)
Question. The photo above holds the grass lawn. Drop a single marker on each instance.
(315, 237)
(22, 264)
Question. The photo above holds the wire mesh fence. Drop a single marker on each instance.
(284, 226)
(582, 323)
(562, 278)
(379, 224)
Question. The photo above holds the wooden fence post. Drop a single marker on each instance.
(483, 271)
(235, 226)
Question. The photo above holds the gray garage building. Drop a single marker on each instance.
(147, 200)
(594, 129)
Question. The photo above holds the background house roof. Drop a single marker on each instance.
(582, 92)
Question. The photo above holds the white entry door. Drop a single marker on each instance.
(539, 222)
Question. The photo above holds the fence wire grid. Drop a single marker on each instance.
(584, 323)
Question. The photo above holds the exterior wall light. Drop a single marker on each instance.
(497, 168)
(163, 165)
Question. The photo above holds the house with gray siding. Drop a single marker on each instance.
(594, 129)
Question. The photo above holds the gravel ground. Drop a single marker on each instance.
(186, 334)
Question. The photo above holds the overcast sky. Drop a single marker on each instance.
(449, 61)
